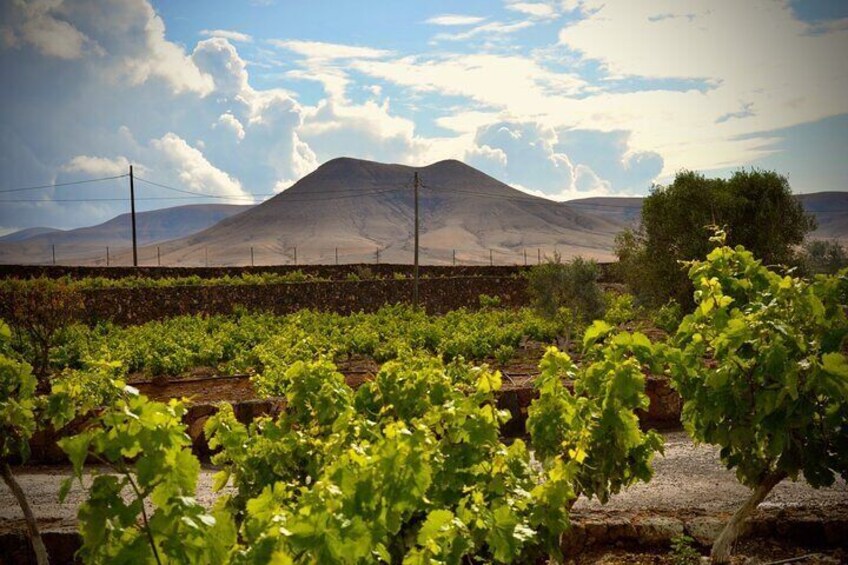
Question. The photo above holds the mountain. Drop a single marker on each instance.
(88, 245)
(831, 211)
(829, 208)
(360, 207)
(624, 210)
(21, 235)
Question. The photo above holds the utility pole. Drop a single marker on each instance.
(295, 254)
(525, 257)
(251, 255)
(206, 256)
(415, 284)
(107, 255)
(378, 255)
(337, 255)
(158, 257)
(454, 257)
(54, 253)
(538, 256)
(132, 211)
(491, 259)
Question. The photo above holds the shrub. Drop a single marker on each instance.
(574, 285)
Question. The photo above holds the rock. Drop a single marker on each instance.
(621, 529)
(657, 530)
(704, 529)
(596, 531)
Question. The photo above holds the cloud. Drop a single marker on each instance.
(217, 58)
(195, 172)
(319, 50)
(97, 166)
(229, 121)
(489, 31)
(541, 10)
(454, 20)
(227, 34)
(124, 40)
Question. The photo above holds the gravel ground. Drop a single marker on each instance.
(688, 480)
(691, 478)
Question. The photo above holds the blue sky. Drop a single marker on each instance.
(562, 98)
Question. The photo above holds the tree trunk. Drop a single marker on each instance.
(34, 534)
(723, 545)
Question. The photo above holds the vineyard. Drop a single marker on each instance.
(384, 437)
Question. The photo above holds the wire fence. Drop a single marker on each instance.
(266, 255)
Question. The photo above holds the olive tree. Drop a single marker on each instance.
(756, 207)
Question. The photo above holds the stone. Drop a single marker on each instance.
(658, 530)
(704, 529)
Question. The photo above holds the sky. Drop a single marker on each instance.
(238, 99)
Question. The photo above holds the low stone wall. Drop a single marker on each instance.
(363, 270)
(437, 296)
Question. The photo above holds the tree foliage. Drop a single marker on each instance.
(555, 284)
(756, 207)
(40, 309)
(762, 373)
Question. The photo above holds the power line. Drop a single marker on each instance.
(60, 184)
(201, 196)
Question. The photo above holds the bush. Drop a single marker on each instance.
(573, 285)
(823, 257)
(40, 309)
(668, 316)
(620, 308)
(757, 209)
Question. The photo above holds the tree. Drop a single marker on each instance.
(761, 370)
(820, 256)
(756, 208)
(573, 285)
(17, 424)
(40, 309)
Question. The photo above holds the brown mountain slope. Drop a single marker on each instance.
(88, 245)
(361, 207)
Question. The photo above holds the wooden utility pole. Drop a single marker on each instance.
(107, 255)
(251, 255)
(337, 255)
(158, 257)
(491, 259)
(454, 258)
(53, 246)
(415, 271)
(132, 212)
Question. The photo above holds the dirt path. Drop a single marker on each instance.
(689, 482)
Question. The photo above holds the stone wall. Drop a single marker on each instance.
(437, 296)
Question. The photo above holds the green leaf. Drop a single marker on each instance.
(835, 364)
(598, 330)
(76, 447)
